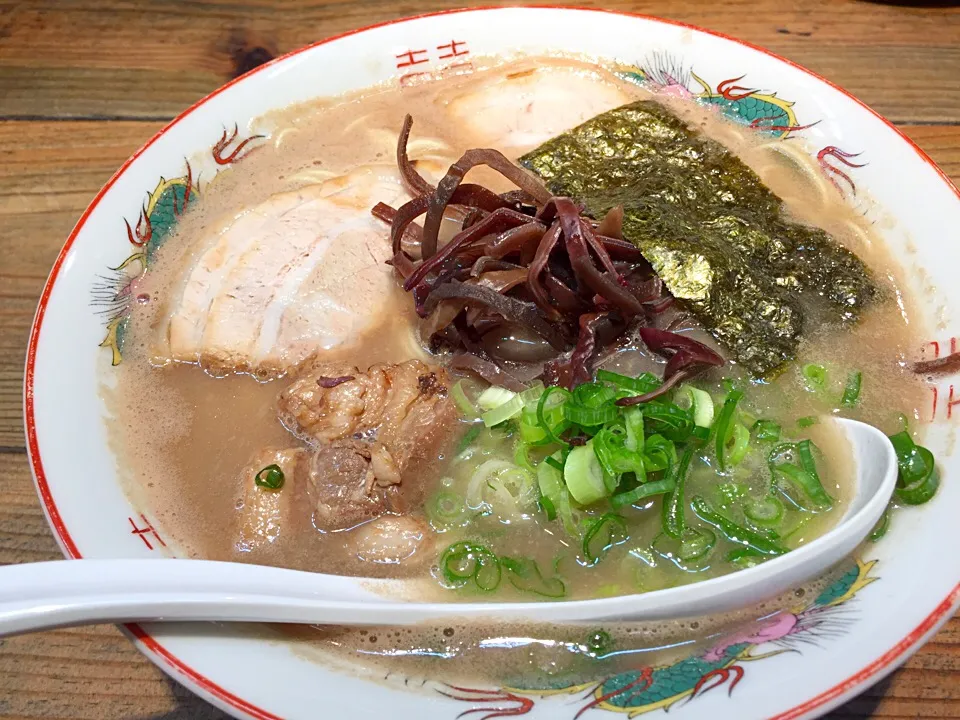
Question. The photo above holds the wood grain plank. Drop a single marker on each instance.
(55, 61)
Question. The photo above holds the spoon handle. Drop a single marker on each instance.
(37, 596)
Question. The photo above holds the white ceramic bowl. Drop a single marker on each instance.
(851, 635)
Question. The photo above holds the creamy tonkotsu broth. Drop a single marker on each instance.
(252, 425)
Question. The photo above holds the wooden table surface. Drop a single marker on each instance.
(84, 83)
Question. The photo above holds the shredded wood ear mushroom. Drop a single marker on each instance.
(530, 286)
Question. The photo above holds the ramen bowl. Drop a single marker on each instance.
(888, 598)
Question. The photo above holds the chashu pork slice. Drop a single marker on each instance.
(520, 108)
(302, 271)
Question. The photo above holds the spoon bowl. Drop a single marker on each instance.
(54, 594)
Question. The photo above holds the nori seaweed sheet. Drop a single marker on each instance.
(710, 229)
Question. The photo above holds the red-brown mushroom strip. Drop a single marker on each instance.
(539, 264)
(496, 222)
(687, 357)
(581, 371)
(489, 371)
(408, 173)
(446, 189)
(516, 240)
(509, 308)
(582, 264)
(475, 196)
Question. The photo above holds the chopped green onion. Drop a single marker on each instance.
(551, 432)
(590, 417)
(599, 643)
(745, 557)
(504, 411)
(465, 561)
(880, 529)
(731, 493)
(549, 509)
(739, 446)
(724, 426)
(524, 574)
(468, 438)
(593, 395)
(669, 420)
(614, 456)
(552, 489)
(467, 409)
(806, 422)
(584, 475)
(766, 431)
(918, 478)
(640, 385)
(673, 519)
(606, 531)
(554, 463)
(695, 544)
(494, 397)
(735, 532)
(532, 394)
(851, 392)
(814, 487)
(642, 492)
(633, 420)
(805, 477)
(446, 509)
(521, 456)
(815, 376)
(659, 453)
(700, 403)
(270, 477)
(766, 511)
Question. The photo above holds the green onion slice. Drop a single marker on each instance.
(465, 561)
(659, 453)
(700, 403)
(468, 437)
(640, 385)
(735, 532)
(766, 431)
(467, 409)
(815, 376)
(606, 531)
(918, 478)
(804, 477)
(584, 476)
(590, 417)
(724, 426)
(270, 477)
(552, 432)
(504, 411)
(642, 492)
(633, 422)
(524, 574)
(554, 492)
(766, 510)
(880, 529)
(851, 392)
(446, 509)
(738, 448)
(673, 519)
